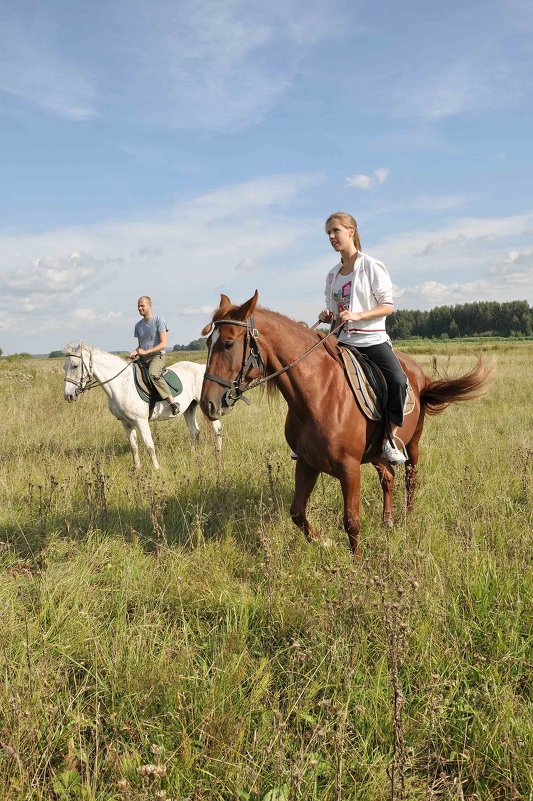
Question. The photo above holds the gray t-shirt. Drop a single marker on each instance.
(147, 332)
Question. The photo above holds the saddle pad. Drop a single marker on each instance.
(145, 390)
(410, 401)
(368, 402)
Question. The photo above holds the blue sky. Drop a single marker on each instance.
(183, 149)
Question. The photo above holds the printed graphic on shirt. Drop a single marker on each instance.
(341, 298)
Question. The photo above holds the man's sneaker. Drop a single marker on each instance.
(392, 454)
(174, 409)
(294, 455)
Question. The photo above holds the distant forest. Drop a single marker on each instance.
(481, 319)
(195, 344)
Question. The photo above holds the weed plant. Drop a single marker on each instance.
(172, 636)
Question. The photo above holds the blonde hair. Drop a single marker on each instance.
(347, 221)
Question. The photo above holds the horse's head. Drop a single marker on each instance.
(78, 370)
(234, 358)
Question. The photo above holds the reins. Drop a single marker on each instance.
(235, 390)
(259, 381)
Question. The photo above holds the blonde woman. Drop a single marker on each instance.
(359, 293)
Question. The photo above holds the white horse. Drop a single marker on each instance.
(87, 367)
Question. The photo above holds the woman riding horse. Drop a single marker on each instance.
(359, 292)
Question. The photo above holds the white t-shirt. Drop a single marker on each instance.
(367, 286)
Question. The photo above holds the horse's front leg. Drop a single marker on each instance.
(146, 434)
(192, 424)
(305, 480)
(131, 433)
(411, 465)
(350, 479)
(217, 428)
(386, 479)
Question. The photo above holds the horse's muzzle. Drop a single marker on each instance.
(211, 410)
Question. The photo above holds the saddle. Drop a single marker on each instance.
(367, 383)
(369, 386)
(145, 388)
(370, 390)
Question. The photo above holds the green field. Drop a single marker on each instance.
(173, 636)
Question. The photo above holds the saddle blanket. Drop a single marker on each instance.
(367, 388)
(144, 387)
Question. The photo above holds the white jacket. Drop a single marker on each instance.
(371, 287)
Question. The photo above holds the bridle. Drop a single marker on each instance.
(235, 389)
(87, 380)
(86, 372)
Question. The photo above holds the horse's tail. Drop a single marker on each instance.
(437, 395)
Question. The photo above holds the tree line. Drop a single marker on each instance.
(483, 318)
(195, 344)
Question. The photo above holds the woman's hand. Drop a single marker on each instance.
(325, 316)
(346, 315)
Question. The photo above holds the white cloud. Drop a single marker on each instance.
(466, 243)
(436, 293)
(470, 259)
(196, 311)
(368, 181)
(248, 265)
(382, 173)
(55, 275)
(93, 315)
(256, 195)
(359, 181)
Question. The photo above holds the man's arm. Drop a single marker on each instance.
(134, 353)
(163, 337)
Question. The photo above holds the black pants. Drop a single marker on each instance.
(387, 361)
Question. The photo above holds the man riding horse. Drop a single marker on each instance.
(152, 335)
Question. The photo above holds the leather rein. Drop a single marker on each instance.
(236, 388)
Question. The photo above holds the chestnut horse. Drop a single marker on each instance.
(324, 425)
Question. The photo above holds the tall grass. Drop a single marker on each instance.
(173, 635)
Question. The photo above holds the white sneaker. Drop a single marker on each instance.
(294, 455)
(392, 454)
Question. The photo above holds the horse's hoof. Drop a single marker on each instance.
(388, 523)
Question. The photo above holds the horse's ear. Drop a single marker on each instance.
(247, 309)
(206, 330)
(224, 300)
